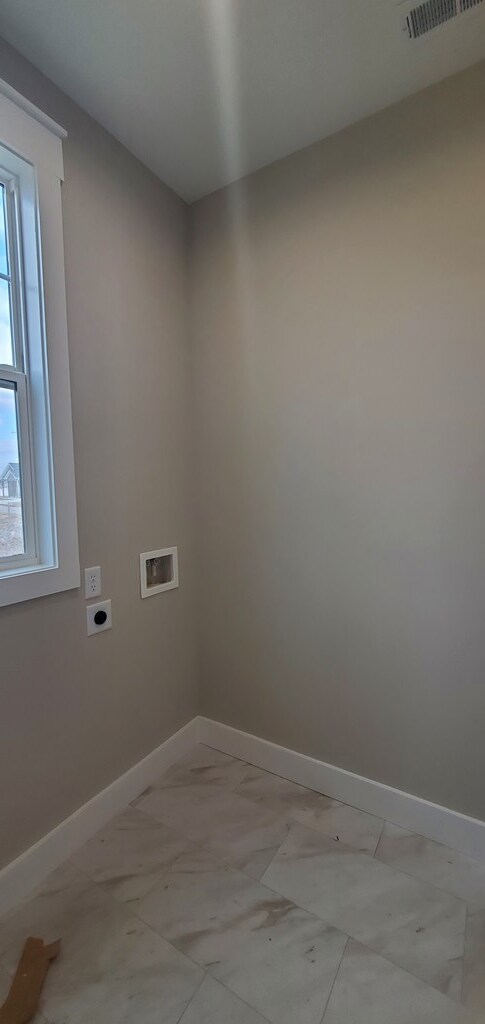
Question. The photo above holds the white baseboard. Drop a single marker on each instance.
(458, 831)
(23, 874)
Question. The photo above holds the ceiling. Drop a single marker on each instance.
(205, 91)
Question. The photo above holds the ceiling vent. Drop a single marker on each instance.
(425, 17)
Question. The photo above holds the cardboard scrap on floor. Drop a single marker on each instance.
(22, 1001)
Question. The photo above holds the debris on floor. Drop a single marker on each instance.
(22, 1001)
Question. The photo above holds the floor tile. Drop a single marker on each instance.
(232, 827)
(351, 826)
(119, 970)
(6, 981)
(170, 889)
(473, 991)
(111, 966)
(214, 1004)
(279, 795)
(205, 765)
(434, 863)
(276, 957)
(129, 855)
(50, 912)
(415, 925)
(370, 990)
(347, 825)
(196, 894)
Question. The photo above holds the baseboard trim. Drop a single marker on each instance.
(23, 874)
(460, 832)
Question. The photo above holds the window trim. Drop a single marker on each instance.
(29, 134)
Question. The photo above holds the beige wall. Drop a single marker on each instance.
(339, 338)
(338, 316)
(76, 712)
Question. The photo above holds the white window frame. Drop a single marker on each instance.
(31, 165)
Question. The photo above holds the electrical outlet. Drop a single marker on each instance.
(98, 617)
(92, 582)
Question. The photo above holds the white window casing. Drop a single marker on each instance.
(31, 167)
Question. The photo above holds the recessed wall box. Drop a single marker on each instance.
(159, 571)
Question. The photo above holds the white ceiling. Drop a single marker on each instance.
(204, 91)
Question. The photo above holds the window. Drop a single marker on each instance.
(17, 519)
(38, 530)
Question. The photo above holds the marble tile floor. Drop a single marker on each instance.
(226, 895)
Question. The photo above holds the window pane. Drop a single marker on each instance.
(6, 354)
(3, 234)
(11, 525)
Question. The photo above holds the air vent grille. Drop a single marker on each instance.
(429, 15)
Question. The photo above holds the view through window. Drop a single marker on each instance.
(11, 525)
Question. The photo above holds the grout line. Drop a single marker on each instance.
(299, 785)
(423, 881)
(327, 835)
(378, 953)
(439, 842)
(259, 881)
(381, 833)
(187, 1005)
(221, 863)
(367, 853)
(334, 980)
(277, 850)
(132, 913)
(237, 996)
(464, 957)
(166, 871)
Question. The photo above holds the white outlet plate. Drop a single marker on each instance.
(92, 582)
(100, 606)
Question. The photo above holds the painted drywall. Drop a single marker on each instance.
(337, 375)
(76, 712)
(338, 317)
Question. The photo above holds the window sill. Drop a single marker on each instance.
(37, 581)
